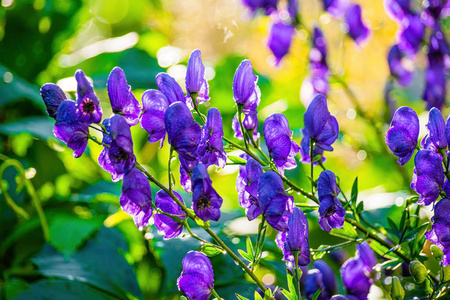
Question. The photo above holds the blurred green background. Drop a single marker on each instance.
(94, 250)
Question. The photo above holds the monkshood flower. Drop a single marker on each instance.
(356, 272)
(280, 39)
(440, 232)
(122, 99)
(436, 139)
(328, 279)
(322, 127)
(197, 278)
(281, 147)
(69, 129)
(411, 34)
(269, 6)
(247, 187)
(165, 223)
(136, 198)
(88, 105)
(297, 237)
(397, 67)
(275, 205)
(428, 177)
(118, 158)
(210, 149)
(321, 277)
(154, 106)
(357, 30)
(331, 212)
(205, 200)
(52, 95)
(170, 88)
(246, 92)
(305, 149)
(336, 8)
(196, 83)
(186, 168)
(397, 9)
(250, 124)
(403, 133)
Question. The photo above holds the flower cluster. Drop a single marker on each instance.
(197, 278)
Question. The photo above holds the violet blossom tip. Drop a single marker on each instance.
(196, 83)
(53, 96)
(88, 105)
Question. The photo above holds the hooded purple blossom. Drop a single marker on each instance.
(136, 198)
(321, 277)
(357, 30)
(118, 158)
(69, 129)
(247, 187)
(268, 5)
(210, 149)
(403, 133)
(336, 8)
(411, 34)
(428, 177)
(250, 124)
(122, 99)
(52, 95)
(436, 139)
(165, 223)
(88, 105)
(154, 106)
(356, 272)
(397, 9)
(170, 88)
(280, 39)
(278, 140)
(440, 232)
(297, 237)
(197, 278)
(275, 205)
(305, 149)
(196, 83)
(205, 200)
(245, 90)
(397, 68)
(332, 214)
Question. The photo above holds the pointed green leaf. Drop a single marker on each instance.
(249, 247)
(316, 294)
(237, 159)
(288, 295)
(347, 231)
(291, 284)
(210, 250)
(241, 297)
(413, 233)
(258, 296)
(245, 255)
(354, 195)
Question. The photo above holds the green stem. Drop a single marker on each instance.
(297, 280)
(244, 133)
(213, 291)
(257, 245)
(169, 169)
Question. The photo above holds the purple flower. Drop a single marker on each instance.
(305, 149)
(69, 129)
(318, 53)
(250, 124)
(210, 149)
(205, 200)
(336, 8)
(154, 106)
(432, 11)
(328, 279)
(321, 277)
(428, 177)
(278, 140)
(440, 232)
(247, 187)
(332, 214)
(436, 139)
(343, 297)
(246, 92)
(88, 105)
(275, 205)
(118, 158)
(297, 237)
(170, 88)
(136, 198)
(357, 30)
(280, 39)
(197, 278)
(196, 83)
(268, 5)
(165, 223)
(397, 68)
(397, 9)
(403, 133)
(411, 34)
(356, 271)
(122, 99)
(52, 96)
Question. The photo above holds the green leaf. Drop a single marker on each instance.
(347, 231)
(249, 247)
(258, 296)
(316, 294)
(360, 207)
(40, 127)
(291, 284)
(354, 195)
(241, 297)
(447, 273)
(413, 233)
(237, 159)
(245, 255)
(392, 224)
(288, 295)
(382, 250)
(210, 250)
(268, 294)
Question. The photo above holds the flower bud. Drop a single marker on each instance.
(397, 291)
(418, 271)
(436, 252)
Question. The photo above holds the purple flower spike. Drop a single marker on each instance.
(297, 236)
(164, 223)
(357, 30)
(356, 271)
(154, 106)
(170, 88)
(269, 6)
(411, 34)
(440, 232)
(88, 105)
(197, 278)
(247, 186)
(280, 39)
(68, 129)
(436, 129)
(183, 132)
(196, 83)
(275, 205)
(428, 177)
(118, 158)
(397, 68)
(336, 8)
(403, 133)
(278, 140)
(210, 149)
(122, 99)
(332, 214)
(136, 198)
(205, 200)
(52, 96)
(397, 9)
(245, 90)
